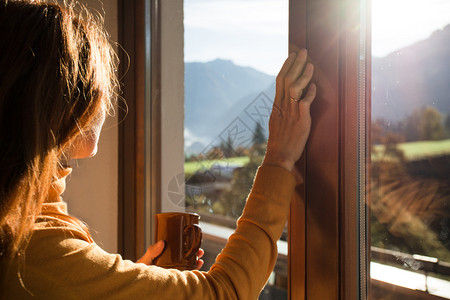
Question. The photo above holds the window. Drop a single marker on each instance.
(151, 32)
(353, 159)
(410, 150)
(232, 52)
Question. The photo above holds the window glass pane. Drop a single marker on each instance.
(233, 50)
(409, 186)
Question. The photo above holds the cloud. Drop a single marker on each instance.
(190, 138)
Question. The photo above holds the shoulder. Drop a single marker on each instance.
(55, 238)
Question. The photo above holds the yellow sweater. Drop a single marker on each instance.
(61, 264)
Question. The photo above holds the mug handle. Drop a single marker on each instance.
(193, 240)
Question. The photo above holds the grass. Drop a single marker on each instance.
(421, 149)
(412, 151)
(192, 166)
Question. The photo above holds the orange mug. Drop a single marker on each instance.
(182, 236)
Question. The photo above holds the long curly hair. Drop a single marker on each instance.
(57, 75)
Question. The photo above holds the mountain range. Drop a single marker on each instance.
(413, 77)
(220, 96)
(216, 93)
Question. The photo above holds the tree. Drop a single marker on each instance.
(431, 127)
(447, 125)
(378, 132)
(259, 137)
(424, 124)
(232, 201)
(412, 126)
(227, 148)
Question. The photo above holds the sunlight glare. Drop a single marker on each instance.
(400, 23)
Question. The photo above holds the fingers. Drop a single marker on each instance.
(279, 92)
(200, 253)
(153, 251)
(200, 262)
(310, 94)
(293, 78)
(301, 109)
(294, 73)
(156, 249)
(297, 87)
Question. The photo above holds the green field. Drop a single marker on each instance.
(419, 150)
(412, 151)
(192, 166)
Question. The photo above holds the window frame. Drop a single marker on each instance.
(329, 202)
(329, 164)
(131, 128)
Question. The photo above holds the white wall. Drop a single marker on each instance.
(92, 189)
(172, 98)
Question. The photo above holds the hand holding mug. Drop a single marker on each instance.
(182, 236)
(157, 248)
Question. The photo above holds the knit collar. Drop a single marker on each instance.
(58, 185)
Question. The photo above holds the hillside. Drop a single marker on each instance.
(416, 76)
(413, 77)
(213, 90)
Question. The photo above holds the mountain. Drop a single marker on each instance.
(413, 77)
(220, 95)
(212, 89)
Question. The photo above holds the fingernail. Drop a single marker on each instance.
(160, 244)
(292, 54)
(309, 67)
(303, 52)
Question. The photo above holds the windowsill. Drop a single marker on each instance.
(410, 280)
(215, 237)
(221, 234)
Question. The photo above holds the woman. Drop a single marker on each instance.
(57, 83)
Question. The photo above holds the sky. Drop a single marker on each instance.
(399, 23)
(255, 32)
(248, 32)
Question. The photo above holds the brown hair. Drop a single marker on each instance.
(57, 74)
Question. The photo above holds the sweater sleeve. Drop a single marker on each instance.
(58, 263)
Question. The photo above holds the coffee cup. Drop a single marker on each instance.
(182, 236)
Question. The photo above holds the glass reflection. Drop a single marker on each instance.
(409, 185)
